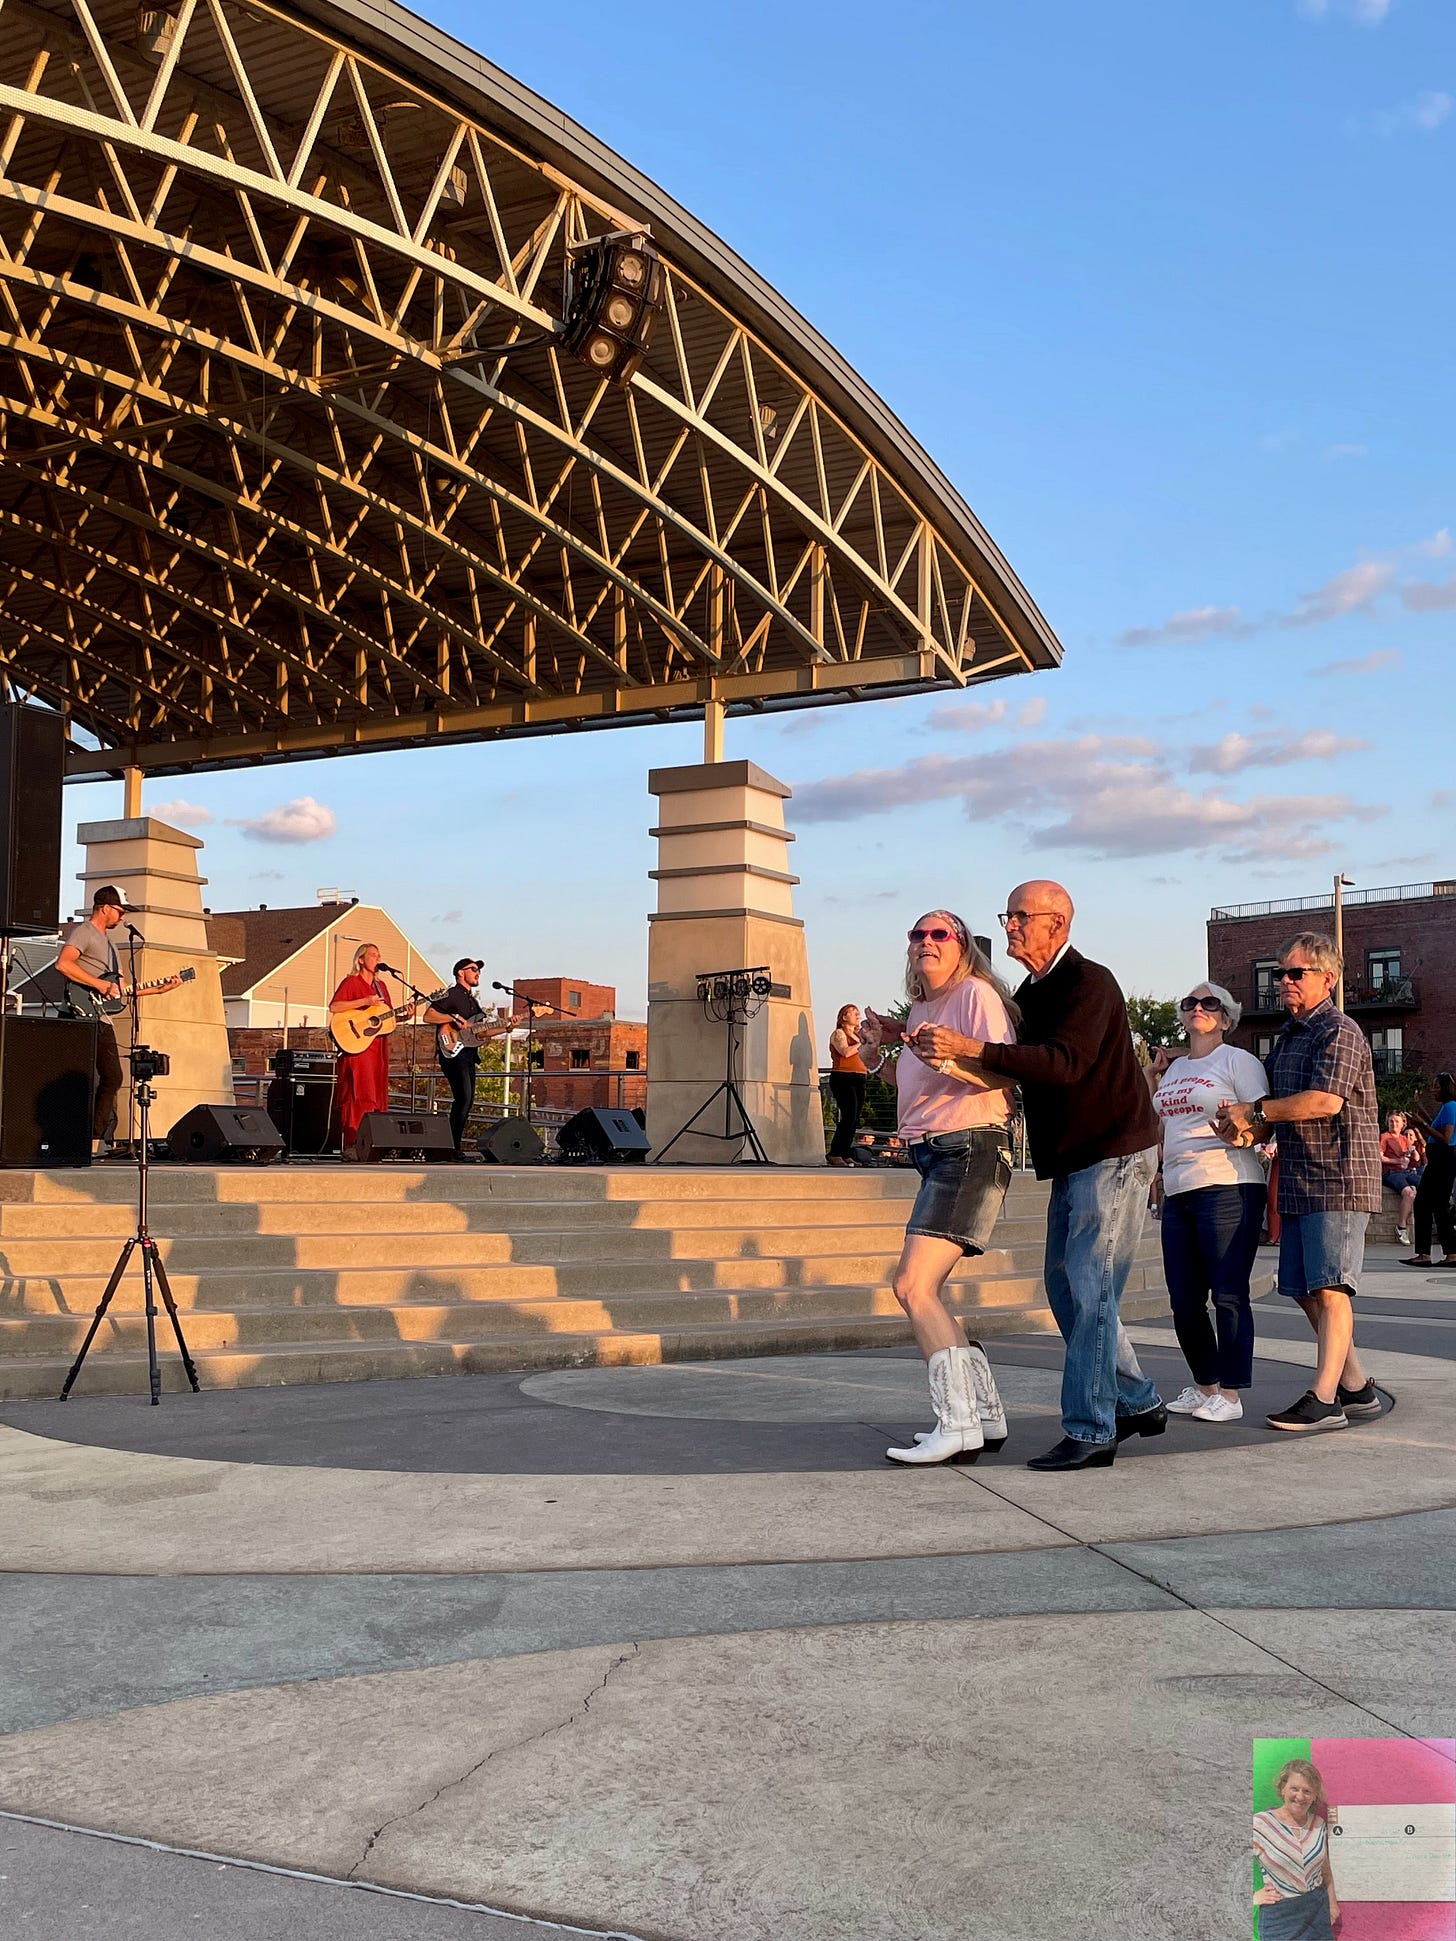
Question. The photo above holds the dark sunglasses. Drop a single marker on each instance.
(1199, 1004)
(1296, 972)
(930, 936)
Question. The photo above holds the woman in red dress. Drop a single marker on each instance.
(362, 1078)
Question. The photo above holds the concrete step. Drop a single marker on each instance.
(124, 1371)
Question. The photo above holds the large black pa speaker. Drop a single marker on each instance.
(47, 1089)
(514, 1142)
(301, 1109)
(32, 762)
(404, 1135)
(225, 1135)
(602, 1136)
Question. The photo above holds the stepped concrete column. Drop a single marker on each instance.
(155, 868)
(725, 902)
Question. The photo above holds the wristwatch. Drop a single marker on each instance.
(1260, 1122)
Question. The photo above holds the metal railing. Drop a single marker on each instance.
(1401, 893)
(1395, 994)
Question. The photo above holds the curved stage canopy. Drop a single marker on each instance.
(268, 490)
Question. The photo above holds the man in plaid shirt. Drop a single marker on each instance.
(1322, 1103)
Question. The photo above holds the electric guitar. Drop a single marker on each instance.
(452, 1039)
(356, 1031)
(90, 1005)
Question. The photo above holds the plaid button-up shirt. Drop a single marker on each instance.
(1327, 1165)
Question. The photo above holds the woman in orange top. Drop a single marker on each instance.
(361, 1078)
(847, 1076)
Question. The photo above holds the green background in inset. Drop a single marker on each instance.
(1269, 1756)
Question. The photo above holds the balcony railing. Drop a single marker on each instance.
(1394, 994)
(1291, 905)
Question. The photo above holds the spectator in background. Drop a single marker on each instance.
(1322, 1109)
(1400, 1170)
(1433, 1195)
(1094, 1135)
(863, 1153)
(847, 1076)
(1213, 1206)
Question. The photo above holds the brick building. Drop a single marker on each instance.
(1400, 968)
(602, 1058)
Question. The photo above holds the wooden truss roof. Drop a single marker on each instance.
(268, 490)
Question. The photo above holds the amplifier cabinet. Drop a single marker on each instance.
(47, 1090)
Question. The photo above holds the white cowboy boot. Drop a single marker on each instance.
(957, 1435)
(988, 1399)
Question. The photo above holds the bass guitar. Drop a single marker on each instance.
(356, 1031)
(90, 1005)
(452, 1039)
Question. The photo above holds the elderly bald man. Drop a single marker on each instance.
(1093, 1134)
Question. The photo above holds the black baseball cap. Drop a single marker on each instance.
(109, 893)
(467, 963)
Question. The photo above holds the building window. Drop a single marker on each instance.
(634, 1061)
(573, 1000)
(1264, 1044)
(1387, 1050)
(1384, 969)
(580, 1060)
(1266, 984)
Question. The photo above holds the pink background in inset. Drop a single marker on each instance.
(1390, 1772)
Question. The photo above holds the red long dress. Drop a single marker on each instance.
(362, 1079)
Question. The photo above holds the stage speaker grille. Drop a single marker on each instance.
(225, 1135)
(602, 1136)
(514, 1142)
(47, 1090)
(404, 1135)
(32, 763)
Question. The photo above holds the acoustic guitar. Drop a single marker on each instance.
(355, 1031)
(88, 1004)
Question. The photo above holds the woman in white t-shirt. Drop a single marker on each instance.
(1213, 1205)
(954, 1123)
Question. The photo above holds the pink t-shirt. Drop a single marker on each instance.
(930, 1101)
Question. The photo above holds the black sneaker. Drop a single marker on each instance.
(1309, 1413)
(1359, 1401)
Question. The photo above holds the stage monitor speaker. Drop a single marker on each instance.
(514, 1142)
(603, 1135)
(47, 1090)
(225, 1135)
(32, 764)
(404, 1135)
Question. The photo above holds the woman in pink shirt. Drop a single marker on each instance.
(955, 1125)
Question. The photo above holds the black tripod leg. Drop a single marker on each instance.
(154, 1371)
(101, 1306)
(176, 1320)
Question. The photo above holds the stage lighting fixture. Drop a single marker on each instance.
(617, 285)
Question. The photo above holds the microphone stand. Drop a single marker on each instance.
(533, 1005)
(420, 997)
(134, 1006)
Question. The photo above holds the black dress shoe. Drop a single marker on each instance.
(1147, 1422)
(1071, 1454)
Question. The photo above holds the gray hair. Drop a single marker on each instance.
(1320, 950)
(1227, 1002)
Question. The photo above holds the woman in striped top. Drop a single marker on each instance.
(1291, 1844)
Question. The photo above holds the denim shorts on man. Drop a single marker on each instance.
(963, 1182)
(1321, 1250)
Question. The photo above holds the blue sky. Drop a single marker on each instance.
(1167, 290)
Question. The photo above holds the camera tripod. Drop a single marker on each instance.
(145, 1066)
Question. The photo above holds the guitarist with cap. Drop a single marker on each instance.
(88, 958)
(455, 1050)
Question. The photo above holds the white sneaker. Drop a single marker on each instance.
(1190, 1401)
(1402, 1234)
(1218, 1408)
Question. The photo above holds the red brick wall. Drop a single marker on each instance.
(596, 999)
(1424, 931)
(606, 1046)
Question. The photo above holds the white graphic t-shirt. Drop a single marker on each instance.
(1187, 1101)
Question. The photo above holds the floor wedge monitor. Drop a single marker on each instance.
(409, 1136)
(225, 1135)
(514, 1142)
(603, 1136)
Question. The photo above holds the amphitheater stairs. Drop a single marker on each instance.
(297, 1274)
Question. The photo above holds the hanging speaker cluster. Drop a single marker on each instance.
(616, 299)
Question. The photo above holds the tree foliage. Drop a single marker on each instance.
(1154, 1019)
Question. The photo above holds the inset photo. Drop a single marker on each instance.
(1355, 1839)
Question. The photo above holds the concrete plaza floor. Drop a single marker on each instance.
(672, 1652)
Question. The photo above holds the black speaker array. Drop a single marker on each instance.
(32, 763)
(47, 1087)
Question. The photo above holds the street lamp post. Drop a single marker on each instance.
(1342, 883)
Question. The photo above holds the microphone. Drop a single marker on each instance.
(132, 931)
(390, 968)
(495, 986)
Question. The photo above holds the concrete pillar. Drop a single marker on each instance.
(725, 902)
(155, 867)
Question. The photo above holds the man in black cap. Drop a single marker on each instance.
(456, 1053)
(88, 958)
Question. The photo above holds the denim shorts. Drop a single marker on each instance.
(1321, 1250)
(963, 1182)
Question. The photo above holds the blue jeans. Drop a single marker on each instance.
(1094, 1224)
(1210, 1240)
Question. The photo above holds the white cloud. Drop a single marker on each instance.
(1351, 591)
(1347, 451)
(1033, 713)
(969, 717)
(302, 820)
(1194, 623)
(186, 815)
(1271, 749)
(1428, 596)
(1376, 663)
(1106, 796)
(1436, 547)
(1423, 114)
(267, 876)
(449, 916)
(1369, 13)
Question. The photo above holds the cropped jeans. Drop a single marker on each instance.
(1094, 1224)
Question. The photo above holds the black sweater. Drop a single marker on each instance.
(1085, 1096)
